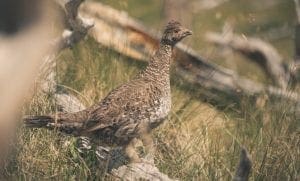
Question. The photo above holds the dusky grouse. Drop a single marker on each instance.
(131, 110)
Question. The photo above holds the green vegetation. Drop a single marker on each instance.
(197, 142)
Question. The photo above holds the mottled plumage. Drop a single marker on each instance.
(131, 110)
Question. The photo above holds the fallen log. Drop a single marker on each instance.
(261, 52)
(116, 30)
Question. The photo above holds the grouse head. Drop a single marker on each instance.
(174, 32)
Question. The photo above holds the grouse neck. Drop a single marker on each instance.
(159, 65)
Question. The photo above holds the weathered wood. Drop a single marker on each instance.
(79, 28)
(116, 30)
(244, 167)
(139, 171)
(256, 50)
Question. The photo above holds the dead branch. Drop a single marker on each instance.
(79, 25)
(79, 28)
(135, 40)
(244, 167)
(257, 50)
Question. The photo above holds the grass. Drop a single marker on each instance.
(197, 142)
(201, 140)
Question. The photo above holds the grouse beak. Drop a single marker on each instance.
(187, 32)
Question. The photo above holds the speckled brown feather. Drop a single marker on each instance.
(129, 110)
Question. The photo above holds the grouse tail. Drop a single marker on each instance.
(37, 121)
